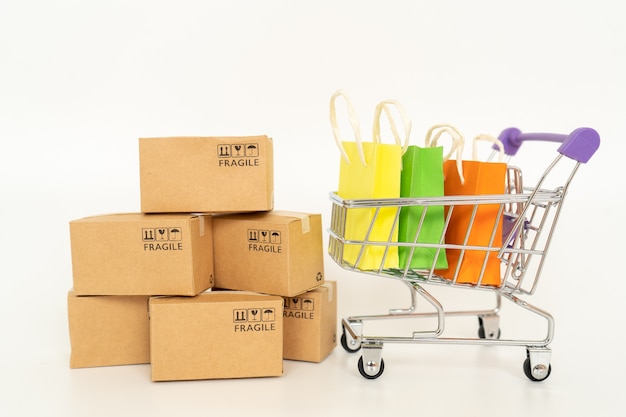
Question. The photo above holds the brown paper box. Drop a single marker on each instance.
(216, 335)
(310, 321)
(142, 254)
(108, 330)
(206, 174)
(277, 252)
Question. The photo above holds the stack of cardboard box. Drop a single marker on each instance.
(208, 281)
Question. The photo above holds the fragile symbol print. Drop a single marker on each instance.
(254, 319)
(238, 155)
(264, 241)
(162, 239)
(299, 308)
(264, 236)
(296, 303)
(162, 234)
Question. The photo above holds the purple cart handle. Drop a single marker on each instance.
(579, 145)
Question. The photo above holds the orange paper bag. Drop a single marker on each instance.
(474, 225)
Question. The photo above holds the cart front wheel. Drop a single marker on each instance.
(540, 372)
(371, 370)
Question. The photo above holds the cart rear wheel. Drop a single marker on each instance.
(482, 335)
(373, 370)
(541, 373)
(493, 334)
(350, 345)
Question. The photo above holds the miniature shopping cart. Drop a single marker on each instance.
(528, 216)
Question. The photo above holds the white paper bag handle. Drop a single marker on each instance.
(458, 144)
(354, 123)
(406, 122)
(488, 138)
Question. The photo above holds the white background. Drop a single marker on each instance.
(80, 82)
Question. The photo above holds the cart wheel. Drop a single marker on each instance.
(481, 334)
(481, 331)
(350, 346)
(539, 373)
(374, 367)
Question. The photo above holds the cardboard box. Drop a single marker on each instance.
(206, 174)
(142, 254)
(310, 322)
(108, 330)
(277, 252)
(216, 335)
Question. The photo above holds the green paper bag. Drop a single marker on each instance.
(422, 177)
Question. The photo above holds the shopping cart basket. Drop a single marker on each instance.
(528, 216)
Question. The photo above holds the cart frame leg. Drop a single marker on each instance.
(353, 331)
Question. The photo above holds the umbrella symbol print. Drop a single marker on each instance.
(252, 150)
(268, 315)
(175, 233)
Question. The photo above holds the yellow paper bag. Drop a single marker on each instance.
(369, 170)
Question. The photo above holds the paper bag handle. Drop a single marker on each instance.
(458, 144)
(406, 122)
(354, 123)
(497, 145)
